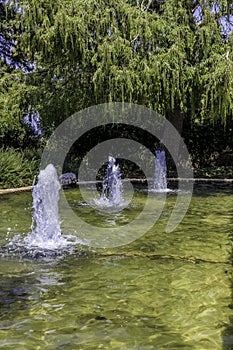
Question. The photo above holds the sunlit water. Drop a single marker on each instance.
(163, 291)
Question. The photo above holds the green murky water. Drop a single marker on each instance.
(162, 291)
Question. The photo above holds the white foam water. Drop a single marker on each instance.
(45, 236)
(111, 199)
(160, 180)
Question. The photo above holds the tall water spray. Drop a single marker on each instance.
(111, 199)
(112, 184)
(160, 179)
(46, 230)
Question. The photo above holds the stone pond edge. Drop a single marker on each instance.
(205, 180)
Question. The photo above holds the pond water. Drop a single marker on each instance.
(162, 291)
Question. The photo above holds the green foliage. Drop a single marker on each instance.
(10, 101)
(173, 56)
(152, 53)
(210, 145)
(15, 169)
(215, 172)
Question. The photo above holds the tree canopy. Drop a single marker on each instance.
(58, 57)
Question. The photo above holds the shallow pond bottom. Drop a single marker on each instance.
(162, 291)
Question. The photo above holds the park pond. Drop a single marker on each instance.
(161, 291)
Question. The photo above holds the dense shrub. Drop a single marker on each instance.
(15, 169)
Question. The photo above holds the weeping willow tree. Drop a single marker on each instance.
(174, 56)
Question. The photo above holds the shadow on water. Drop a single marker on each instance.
(13, 289)
(212, 188)
(26, 285)
(18, 291)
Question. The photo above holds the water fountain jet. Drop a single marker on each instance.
(46, 224)
(111, 198)
(160, 178)
(112, 184)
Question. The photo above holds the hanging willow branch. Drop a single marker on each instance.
(152, 53)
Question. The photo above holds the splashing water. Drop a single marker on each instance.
(112, 184)
(112, 192)
(46, 230)
(160, 179)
